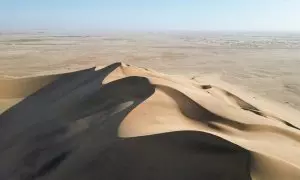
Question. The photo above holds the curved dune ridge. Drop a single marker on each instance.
(125, 122)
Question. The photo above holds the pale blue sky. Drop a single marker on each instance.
(250, 15)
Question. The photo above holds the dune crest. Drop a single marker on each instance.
(49, 122)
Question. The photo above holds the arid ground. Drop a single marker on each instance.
(267, 64)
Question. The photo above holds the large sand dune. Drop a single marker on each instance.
(125, 122)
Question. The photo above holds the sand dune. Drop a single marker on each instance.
(125, 122)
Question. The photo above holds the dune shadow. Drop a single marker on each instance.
(76, 114)
(176, 155)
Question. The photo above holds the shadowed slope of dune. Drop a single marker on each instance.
(124, 122)
(14, 90)
(19, 88)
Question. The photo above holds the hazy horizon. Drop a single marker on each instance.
(170, 32)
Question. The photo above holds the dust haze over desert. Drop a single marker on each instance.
(132, 104)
